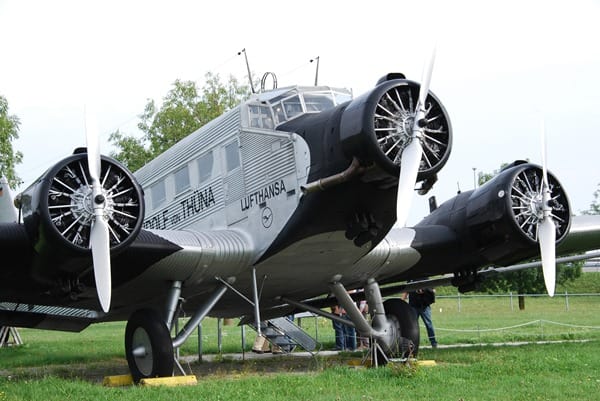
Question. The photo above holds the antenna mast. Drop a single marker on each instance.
(248, 67)
(317, 71)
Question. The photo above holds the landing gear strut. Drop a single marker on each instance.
(394, 329)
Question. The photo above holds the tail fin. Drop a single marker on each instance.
(8, 211)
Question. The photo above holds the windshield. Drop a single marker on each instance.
(275, 107)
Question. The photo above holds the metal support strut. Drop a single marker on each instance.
(375, 302)
(172, 301)
(256, 304)
(199, 315)
(362, 325)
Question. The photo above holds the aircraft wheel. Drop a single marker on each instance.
(148, 346)
(407, 325)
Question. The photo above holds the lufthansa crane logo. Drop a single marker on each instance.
(267, 217)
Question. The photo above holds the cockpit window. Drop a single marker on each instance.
(260, 116)
(342, 97)
(318, 101)
(292, 106)
(292, 103)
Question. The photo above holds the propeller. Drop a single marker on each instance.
(412, 153)
(547, 228)
(99, 235)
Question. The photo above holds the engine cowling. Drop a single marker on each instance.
(377, 126)
(57, 210)
(503, 215)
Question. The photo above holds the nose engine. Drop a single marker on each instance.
(58, 210)
(377, 126)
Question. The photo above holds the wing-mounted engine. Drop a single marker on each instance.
(504, 215)
(58, 211)
(377, 126)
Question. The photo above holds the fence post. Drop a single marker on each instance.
(200, 342)
(243, 342)
(567, 300)
(220, 335)
(512, 307)
(459, 301)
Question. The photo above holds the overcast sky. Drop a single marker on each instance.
(499, 66)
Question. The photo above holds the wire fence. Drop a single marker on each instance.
(458, 319)
(511, 297)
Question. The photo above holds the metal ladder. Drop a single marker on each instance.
(286, 335)
(6, 333)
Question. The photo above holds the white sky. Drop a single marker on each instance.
(498, 67)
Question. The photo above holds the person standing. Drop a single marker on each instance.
(338, 328)
(420, 302)
(345, 335)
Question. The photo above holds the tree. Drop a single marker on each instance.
(184, 110)
(9, 131)
(595, 205)
(526, 281)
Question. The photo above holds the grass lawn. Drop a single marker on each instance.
(55, 365)
(568, 371)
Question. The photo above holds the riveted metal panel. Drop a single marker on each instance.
(234, 186)
(204, 255)
(215, 132)
(265, 158)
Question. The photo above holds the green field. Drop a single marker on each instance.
(55, 365)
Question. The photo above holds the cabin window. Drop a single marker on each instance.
(158, 193)
(205, 167)
(232, 156)
(182, 180)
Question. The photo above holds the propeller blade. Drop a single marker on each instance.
(411, 155)
(99, 235)
(99, 238)
(426, 79)
(547, 238)
(411, 159)
(93, 146)
(547, 228)
(544, 154)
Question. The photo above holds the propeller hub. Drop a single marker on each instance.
(402, 133)
(99, 199)
(536, 207)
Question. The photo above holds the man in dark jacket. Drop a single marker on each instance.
(420, 302)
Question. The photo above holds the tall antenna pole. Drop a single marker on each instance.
(248, 67)
(317, 71)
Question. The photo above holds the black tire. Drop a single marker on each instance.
(146, 329)
(407, 323)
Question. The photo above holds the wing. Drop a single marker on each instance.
(412, 254)
(65, 299)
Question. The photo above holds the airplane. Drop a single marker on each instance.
(284, 203)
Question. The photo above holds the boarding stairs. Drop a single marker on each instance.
(285, 336)
(5, 336)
